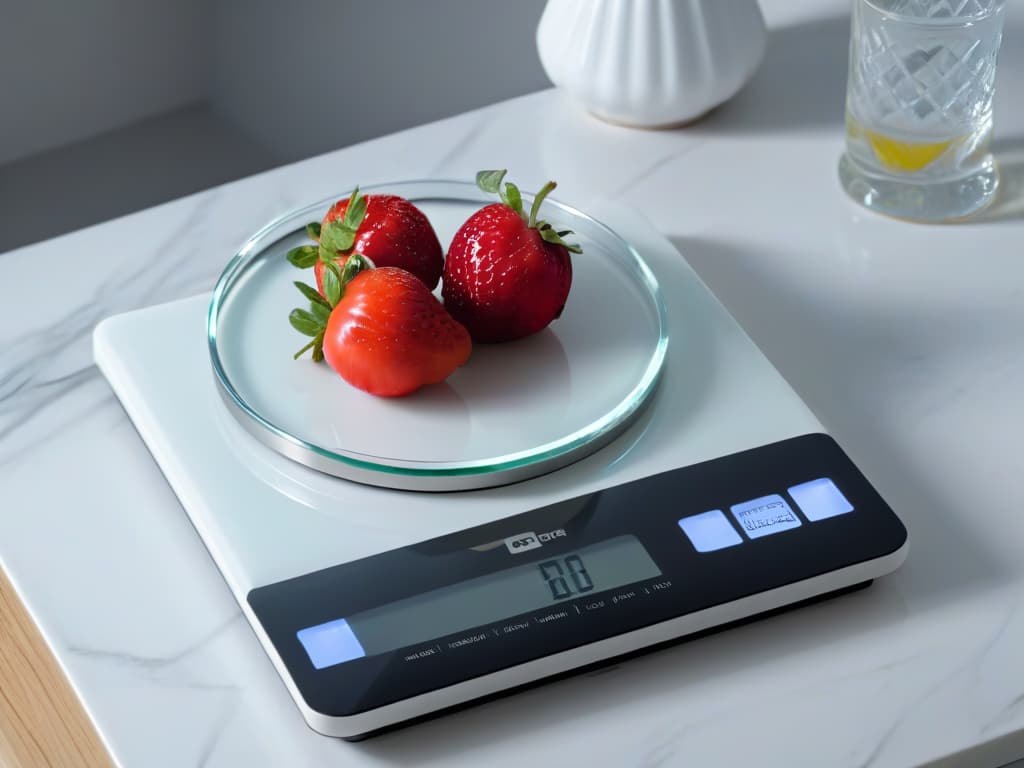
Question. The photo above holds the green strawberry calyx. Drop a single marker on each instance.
(334, 240)
(312, 322)
(491, 181)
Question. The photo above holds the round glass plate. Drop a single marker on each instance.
(515, 410)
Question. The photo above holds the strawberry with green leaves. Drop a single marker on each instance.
(507, 274)
(381, 330)
(386, 229)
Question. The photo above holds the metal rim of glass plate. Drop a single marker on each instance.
(433, 476)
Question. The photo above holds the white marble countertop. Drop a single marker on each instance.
(906, 340)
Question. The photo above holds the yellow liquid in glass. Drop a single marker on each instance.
(907, 156)
(899, 155)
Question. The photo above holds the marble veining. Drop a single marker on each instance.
(159, 672)
(173, 671)
(38, 369)
(156, 663)
(441, 168)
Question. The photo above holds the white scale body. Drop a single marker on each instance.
(269, 522)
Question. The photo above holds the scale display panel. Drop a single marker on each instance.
(393, 626)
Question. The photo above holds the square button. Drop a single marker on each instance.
(331, 643)
(820, 499)
(709, 531)
(764, 516)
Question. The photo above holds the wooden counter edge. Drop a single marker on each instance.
(42, 722)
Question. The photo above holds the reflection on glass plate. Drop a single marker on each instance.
(514, 411)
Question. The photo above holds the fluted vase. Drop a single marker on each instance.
(650, 63)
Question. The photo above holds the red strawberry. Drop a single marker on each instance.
(386, 334)
(387, 229)
(507, 276)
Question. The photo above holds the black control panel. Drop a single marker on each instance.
(384, 628)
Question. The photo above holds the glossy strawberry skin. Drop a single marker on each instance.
(389, 335)
(501, 279)
(394, 233)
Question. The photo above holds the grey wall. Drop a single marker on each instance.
(71, 70)
(107, 106)
(307, 76)
(300, 77)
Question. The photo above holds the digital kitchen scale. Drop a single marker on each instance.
(692, 489)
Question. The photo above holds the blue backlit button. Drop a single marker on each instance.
(764, 516)
(819, 499)
(709, 531)
(331, 643)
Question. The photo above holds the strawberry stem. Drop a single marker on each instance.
(535, 208)
(306, 348)
(490, 181)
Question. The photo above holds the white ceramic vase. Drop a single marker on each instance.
(650, 63)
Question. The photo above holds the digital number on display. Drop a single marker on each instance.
(566, 577)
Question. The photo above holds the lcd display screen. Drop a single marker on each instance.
(535, 585)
